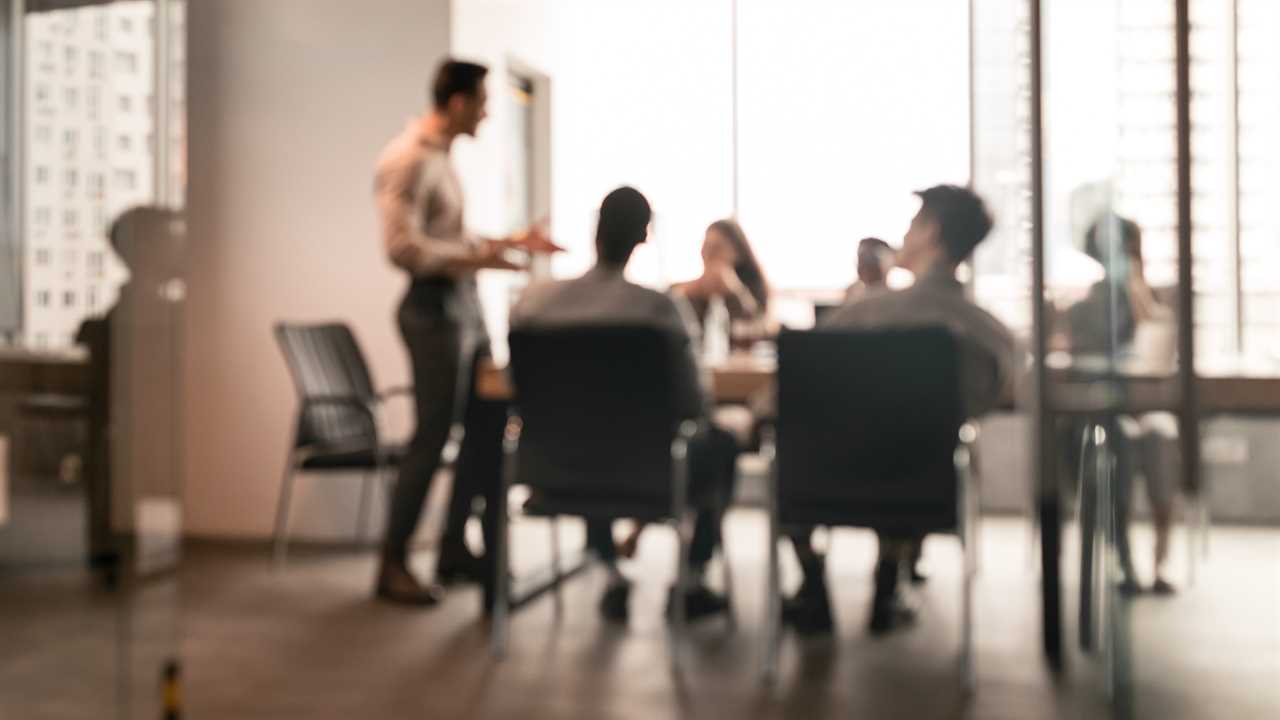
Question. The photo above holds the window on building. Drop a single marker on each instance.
(97, 185)
(126, 104)
(95, 64)
(42, 94)
(42, 175)
(71, 58)
(68, 298)
(126, 179)
(126, 62)
(42, 298)
(126, 25)
(72, 178)
(91, 299)
(70, 138)
(71, 98)
(43, 133)
(42, 216)
(42, 256)
(70, 218)
(100, 26)
(92, 103)
(96, 262)
(125, 143)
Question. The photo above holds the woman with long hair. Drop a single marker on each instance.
(729, 270)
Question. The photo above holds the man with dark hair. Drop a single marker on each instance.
(458, 77)
(951, 222)
(604, 297)
(419, 199)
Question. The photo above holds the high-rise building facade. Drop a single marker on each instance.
(90, 133)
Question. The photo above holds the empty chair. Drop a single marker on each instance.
(336, 429)
(598, 434)
(869, 434)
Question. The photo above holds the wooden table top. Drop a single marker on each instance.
(27, 370)
(1224, 387)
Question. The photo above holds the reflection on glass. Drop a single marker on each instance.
(91, 150)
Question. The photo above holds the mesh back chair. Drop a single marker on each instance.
(598, 433)
(869, 434)
(336, 429)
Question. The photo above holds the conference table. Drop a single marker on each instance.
(1225, 386)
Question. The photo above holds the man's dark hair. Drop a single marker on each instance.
(456, 77)
(963, 220)
(624, 222)
(1100, 239)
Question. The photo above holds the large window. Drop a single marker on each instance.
(73, 172)
(843, 113)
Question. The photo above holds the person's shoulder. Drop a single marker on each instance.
(985, 317)
(401, 155)
(533, 299)
(866, 307)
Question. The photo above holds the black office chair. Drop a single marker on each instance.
(597, 433)
(870, 433)
(336, 429)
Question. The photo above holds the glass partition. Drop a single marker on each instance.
(90, 364)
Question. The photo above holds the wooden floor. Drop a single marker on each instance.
(306, 641)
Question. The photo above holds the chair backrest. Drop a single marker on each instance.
(867, 427)
(325, 361)
(599, 411)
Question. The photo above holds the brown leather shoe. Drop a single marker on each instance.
(396, 584)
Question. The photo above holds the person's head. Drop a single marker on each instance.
(951, 222)
(458, 95)
(1114, 241)
(874, 260)
(726, 244)
(623, 224)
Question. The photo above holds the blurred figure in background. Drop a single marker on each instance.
(875, 259)
(1100, 330)
(730, 274)
(728, 302)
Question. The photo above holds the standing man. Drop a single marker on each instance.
(420, 204)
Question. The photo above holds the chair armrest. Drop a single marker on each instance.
(344, 401)
(349, 401)
(966, 455)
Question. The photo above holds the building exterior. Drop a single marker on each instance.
(89, 130)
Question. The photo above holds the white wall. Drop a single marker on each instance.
(290, 103)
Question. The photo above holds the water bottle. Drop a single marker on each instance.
(715, 331)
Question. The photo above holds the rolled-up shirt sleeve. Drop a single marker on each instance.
(399, 193)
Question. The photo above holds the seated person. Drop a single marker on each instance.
(1103, 326)
(729, 271)
(951, 222)
(603, 296)
(875, 258)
